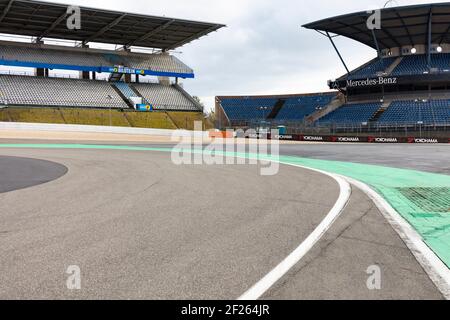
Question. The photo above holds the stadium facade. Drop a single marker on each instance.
(136, 80)
(403, 93)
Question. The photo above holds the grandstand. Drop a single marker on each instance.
(140, 74)
(407, 84)
(406, 88)
(279, 110)
(433, 112)
(282, 109)
(356, 113)
(85, 59)
(403, 66)
(42, 91)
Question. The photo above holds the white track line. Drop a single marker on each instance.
(438, 272)
(259, 289)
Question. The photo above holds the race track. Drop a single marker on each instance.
(140, 227)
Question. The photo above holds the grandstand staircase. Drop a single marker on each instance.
(115, 77)
(122, 95)
(138, 94)
(380, 111)
(276, 109)
(335, 104)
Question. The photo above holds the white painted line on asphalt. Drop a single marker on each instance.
(259, 289)
(438, 272)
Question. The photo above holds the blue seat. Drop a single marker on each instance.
(351, 114)
(371, 70)
(295, 108)
(418, 64)
(248, 109)
(298, 108)
(412, 112)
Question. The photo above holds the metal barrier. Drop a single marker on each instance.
(399, 129)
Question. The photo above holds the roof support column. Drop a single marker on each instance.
(6, 11)
(430, 23)
(337, 51)
(375, 40)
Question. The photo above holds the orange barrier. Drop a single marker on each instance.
(221, 134)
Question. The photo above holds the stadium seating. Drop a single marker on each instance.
(54, 56)
(298, 108)
(26, 54)
(351, 114)
(418, 64)
(248, 109)
(409, 65)
(165, 97)
(412, 112)
(17, 90)
(157, 62)
(372, 69)
(294, 108)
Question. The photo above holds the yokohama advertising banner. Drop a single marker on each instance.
(354, 139)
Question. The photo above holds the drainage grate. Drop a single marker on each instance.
(429, 199)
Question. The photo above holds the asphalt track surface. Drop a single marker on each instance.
(140, 227)
(429, 158)
(20, 173)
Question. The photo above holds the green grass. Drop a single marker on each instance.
(32, 115)
(96, 117)
(158, 120)
(185, 120)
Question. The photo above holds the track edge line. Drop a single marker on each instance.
(268, 281)
(435, 268)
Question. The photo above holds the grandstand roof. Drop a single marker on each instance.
(400, 26)
(279, 96)
(48, 20)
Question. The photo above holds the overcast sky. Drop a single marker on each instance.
(263, 50)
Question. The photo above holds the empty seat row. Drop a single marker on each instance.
(248, 108)
(428, 112)
(418, 64)
(295, 108)
(165, 97)
(153, 62)
(298, 108)
(351, 114)
(372, 69)
(35, 91)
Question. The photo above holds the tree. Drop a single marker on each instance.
(199, 101)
